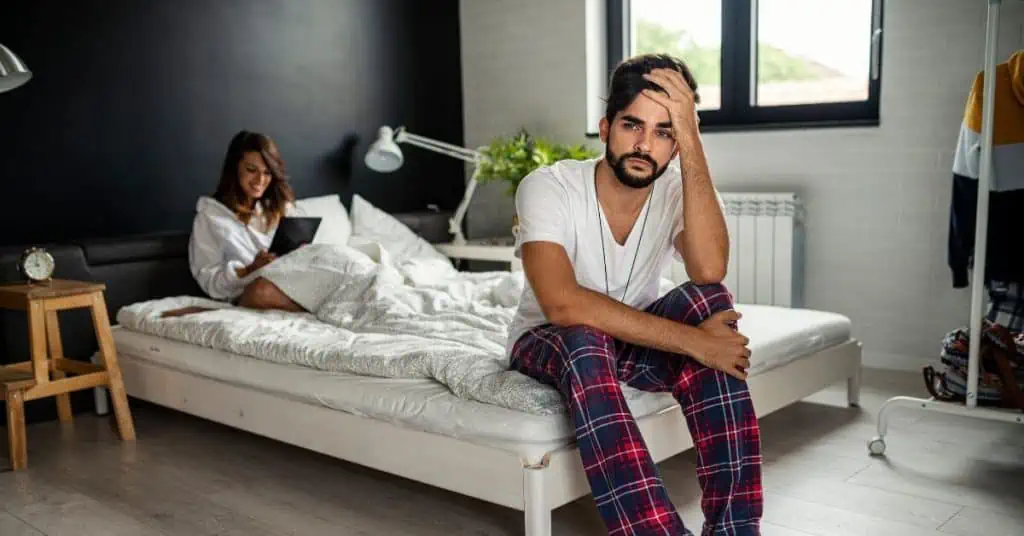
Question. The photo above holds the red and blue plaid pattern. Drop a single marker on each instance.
(586, 365)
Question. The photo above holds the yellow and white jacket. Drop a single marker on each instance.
(1005, 251)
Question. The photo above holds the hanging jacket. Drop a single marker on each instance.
(1004, 260)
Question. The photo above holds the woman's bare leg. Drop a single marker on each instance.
(186, 311)
(262, 294)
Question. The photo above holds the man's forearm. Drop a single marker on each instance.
(705, 246)
(626, 323)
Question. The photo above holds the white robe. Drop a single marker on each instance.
(220, 244)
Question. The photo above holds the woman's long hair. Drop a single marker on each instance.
(278, 194)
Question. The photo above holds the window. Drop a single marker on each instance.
(760, 63)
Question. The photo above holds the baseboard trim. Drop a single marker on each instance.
(904, 362)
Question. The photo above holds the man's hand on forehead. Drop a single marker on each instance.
(679, 101)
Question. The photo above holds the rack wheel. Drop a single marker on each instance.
(876, 446)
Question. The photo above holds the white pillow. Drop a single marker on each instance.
(336, 227)
(373, 224)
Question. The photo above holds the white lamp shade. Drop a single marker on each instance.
(13, 72)
(384, 155)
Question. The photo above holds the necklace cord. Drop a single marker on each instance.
(604, 259)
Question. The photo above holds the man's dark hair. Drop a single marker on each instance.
(628, 80)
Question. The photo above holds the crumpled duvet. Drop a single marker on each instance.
(372, 315)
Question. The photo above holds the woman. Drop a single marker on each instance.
(233, 229)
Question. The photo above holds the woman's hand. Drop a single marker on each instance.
(262, 259)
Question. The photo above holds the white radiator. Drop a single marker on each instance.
(766, 249)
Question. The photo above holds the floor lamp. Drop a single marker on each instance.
(385, 156)
(13, 72)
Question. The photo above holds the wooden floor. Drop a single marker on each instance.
(942, 475)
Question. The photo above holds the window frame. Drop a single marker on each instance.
(736, 112)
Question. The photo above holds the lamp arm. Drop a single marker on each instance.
(455, 223)
(454, 151)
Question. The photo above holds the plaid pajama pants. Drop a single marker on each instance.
(586, 365)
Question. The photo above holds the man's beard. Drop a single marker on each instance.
(623, 174)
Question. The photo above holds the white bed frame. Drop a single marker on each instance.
(487, 473)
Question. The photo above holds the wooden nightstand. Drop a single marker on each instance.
(31, 380)
(499, 250)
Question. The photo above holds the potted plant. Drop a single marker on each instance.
(511, 159)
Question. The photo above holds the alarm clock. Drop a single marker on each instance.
(36, 265)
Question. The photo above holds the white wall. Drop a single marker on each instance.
(877, 198)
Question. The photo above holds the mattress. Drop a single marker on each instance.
(778, 336)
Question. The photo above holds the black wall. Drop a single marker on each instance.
(132, 104)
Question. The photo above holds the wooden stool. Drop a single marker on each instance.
(31, 380)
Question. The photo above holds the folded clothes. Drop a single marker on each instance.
(989, 387)
(957, 361)
(956, 344)
(955, 352)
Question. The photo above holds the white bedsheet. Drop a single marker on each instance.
(414, 320)
(417, 318)
(778, 336)
(419, 404)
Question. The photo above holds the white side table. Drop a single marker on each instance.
(496, 250)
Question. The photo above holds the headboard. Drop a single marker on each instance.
(134, 268)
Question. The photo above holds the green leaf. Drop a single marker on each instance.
(512, 158)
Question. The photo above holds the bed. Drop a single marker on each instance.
(419, 429)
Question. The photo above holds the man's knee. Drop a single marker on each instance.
(702, 301)
(710, 291)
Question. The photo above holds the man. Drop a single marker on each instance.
(594, 238)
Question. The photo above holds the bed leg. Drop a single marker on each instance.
(100, 394)
(537, 512)
(853, 389)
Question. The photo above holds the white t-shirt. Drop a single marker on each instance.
(558, 203)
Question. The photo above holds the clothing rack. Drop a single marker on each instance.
(876, 446)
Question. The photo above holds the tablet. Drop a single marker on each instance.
(293, 232)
